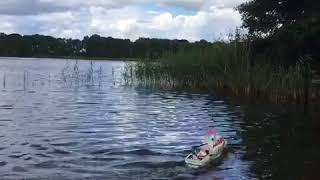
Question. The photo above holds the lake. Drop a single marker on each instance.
(67, 119)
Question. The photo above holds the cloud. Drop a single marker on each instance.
(197, 5)
(209, 19)
(35, 7)
(31, 7)
(136, 23)
(6, 25)
(187, 4)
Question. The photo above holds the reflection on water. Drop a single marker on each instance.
(74, 119)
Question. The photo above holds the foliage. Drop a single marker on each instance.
(94, 46)
(283, 29)
(222, 66)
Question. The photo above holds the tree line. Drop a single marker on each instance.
(16, 45)
(280, 31)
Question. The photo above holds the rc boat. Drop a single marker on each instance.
(213, 148)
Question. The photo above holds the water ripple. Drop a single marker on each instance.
(65, 129)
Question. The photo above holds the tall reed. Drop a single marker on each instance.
(225, 66)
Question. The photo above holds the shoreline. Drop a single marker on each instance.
(75, 58)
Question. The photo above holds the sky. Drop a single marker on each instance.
(173, 19)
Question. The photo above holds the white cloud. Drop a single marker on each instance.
(6, 25)
(122, 18)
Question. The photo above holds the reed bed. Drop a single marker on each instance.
(74, 75)
(223, 66)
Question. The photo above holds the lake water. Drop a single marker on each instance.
(63, 119)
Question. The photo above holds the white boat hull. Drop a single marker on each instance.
(195, 162)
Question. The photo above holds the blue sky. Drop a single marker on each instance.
(174, 19)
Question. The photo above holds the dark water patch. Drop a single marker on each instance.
(46, 165)
(105, 159)
(141, 152)
(27, 158)
(5, 120)
(82, 107)
(223, 169)
(82, 162)
(18, 169)
(60, 118)
(6, 107)
(185, 177)
(101, 93)
(37, 103)
(101, 151)
(16, 152)
(113, 112)
(66, 144)
(35, 145)
(60, 151)
(38, 147)
(69, 131)
(16, 156)
(24, 144)
(3, 163)
(43, 155)
(87, 171)
(95, 143)
(166, 164)
(88, 132)
(2, 148)
(87, 103)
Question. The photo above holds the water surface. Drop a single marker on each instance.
(63, 119)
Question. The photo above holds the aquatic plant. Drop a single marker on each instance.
(73, 75)
(222, 66)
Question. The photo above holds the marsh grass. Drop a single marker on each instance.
(73, 75)
(222, 66)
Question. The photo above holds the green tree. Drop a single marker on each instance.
(285, 29)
